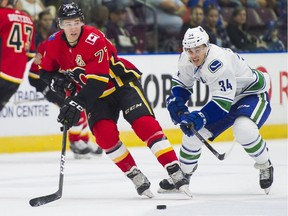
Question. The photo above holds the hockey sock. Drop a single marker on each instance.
(155, 139)
(107, 136)
(80, 131)
(247, 134)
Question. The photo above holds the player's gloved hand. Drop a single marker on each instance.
(196, 119)
(176, 105)
(60, 84)
(70, 112)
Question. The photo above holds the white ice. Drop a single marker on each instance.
(98, 187)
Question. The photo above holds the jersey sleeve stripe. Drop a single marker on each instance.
(96, 77)
(10, 78)
(176, 83)
(33, 75)
(224, 103)
(256, 86)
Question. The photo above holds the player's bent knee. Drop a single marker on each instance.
(245, 130)
(145, 127)
(106, 133)
(192, 142)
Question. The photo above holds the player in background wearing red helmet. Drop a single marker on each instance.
(109, 85)
(78, 135)
(16, 43)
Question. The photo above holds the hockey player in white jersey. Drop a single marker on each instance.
(239, 99)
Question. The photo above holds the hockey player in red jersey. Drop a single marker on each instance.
(78, 135)
(16, 44)
(110, 84)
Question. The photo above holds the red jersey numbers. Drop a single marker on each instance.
(17, 40)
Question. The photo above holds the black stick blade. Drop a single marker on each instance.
(44, 199)
(221, 156)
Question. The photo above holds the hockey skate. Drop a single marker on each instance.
(168, 186)
(80, 150)
(266, 175)
(94, 148)
(83, 150)
(141, 182)
(178, 179)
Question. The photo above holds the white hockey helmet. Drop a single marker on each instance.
(195, 37)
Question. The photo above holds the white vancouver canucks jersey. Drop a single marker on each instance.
(227, 74)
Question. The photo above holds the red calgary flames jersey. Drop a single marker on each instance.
(17, 43)
(34, 69)
(93, 57)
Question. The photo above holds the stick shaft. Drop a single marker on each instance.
(219, 156)
(58, 194)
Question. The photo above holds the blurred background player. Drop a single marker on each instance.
(239, 99)
(78, 135)
(109, 85)
(44, 28)
(17, 42)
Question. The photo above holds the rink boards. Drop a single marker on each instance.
(28, 123)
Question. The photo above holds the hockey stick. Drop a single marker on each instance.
(217, 154)
(58, 194)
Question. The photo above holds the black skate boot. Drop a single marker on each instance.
(181, 182)
(141, 182)
(167, 185)
(80, 149)
(266, 175)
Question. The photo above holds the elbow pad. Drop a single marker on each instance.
(91, 92)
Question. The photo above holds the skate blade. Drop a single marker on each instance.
(163, 191)
(267, 190)
(96, 152)
(185, 189)
(147, 193)
(95, 155)
(82, 156)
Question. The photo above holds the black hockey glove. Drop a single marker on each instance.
(59, 84)
(70, 112)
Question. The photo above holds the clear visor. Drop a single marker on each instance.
(69, 24)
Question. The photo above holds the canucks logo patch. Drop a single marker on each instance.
(215, 66)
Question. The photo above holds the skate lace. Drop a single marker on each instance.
(177, 176)
(138, 178)
(264, 174)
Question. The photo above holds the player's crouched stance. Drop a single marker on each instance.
(108, 85)
(55, 92)
(239, 99)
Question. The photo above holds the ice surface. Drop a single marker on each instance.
(98, 187)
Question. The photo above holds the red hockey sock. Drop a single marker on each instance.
(149, 131)
(107, 137)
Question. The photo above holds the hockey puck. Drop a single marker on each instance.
(161, 206)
